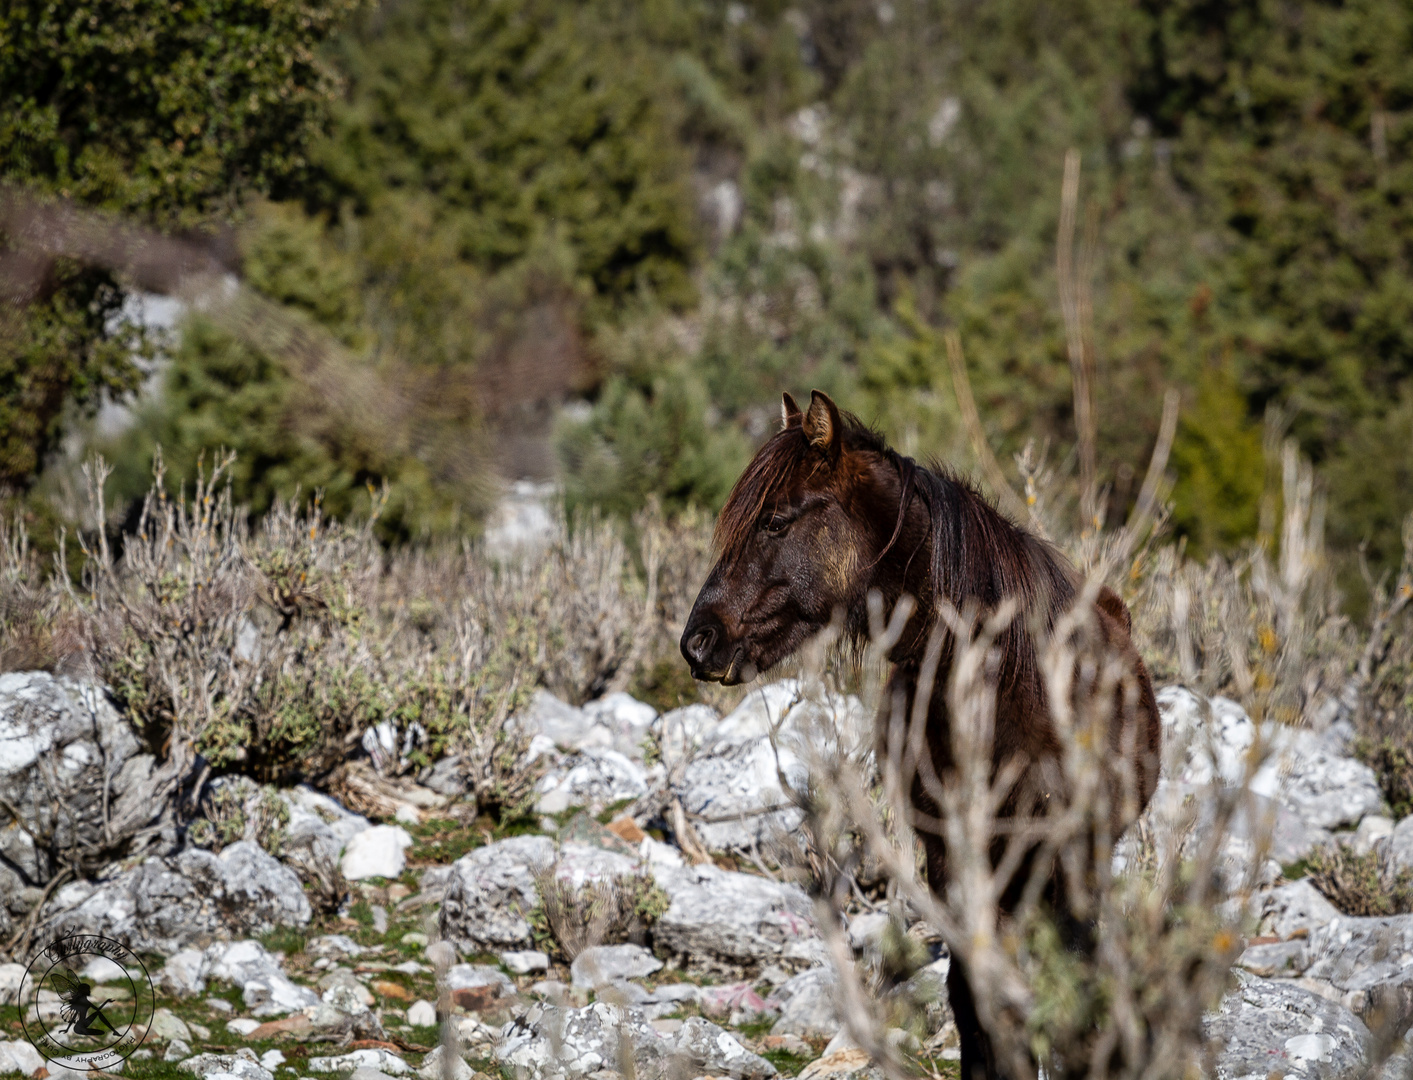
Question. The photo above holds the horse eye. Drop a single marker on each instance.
(776, 526)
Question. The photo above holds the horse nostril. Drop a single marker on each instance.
(699, 647)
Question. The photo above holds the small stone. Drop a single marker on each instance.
(525, 961)
(389, 989)
(376, 852)
(416, 939)
(242, 1064)
(421, 1013)
(293, 1026)
(841, 1063)
(1373, 830)
(603, 965)
(272, 1059)
(1274, 960)
(220, 1005)
(626, 827)
(333, 947)
(380, 918)
(442, 953)
(166, 1027)
(384, 1061)
(177, 1050)
(789, 1044)
(242, 1025)
(432, 1068)
(103, 970)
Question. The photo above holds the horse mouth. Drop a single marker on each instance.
(739, 670)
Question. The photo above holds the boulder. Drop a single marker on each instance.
(603, 965)
(550, 1043)
(709, 1050)
(194, 898)
(1265, 1028)
(683, 731)
(446, 777)
(578, 865)
(1328, 790)
(1372, 834)
(267, 991)
(560, 723)
(1274, 960)
(376, 852)
(806, 1004)
(594, 778)
(421, 1013)
(1295, 909)
(719, 918)
(64, 752)
(1399, 848)
(319, 825)
(19, 1057)
(626, 719)
(1214, 741)
(12, 977)
(810, 721)
(1365, 959)
(490, 891)
(733, 796)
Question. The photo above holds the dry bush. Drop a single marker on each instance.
(1361, 884)
(597, 912)
(282, 649)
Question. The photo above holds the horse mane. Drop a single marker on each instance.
(977, 552)
(771, 469)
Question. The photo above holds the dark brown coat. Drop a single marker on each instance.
(825, 514)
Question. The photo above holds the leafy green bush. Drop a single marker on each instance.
(173, 113)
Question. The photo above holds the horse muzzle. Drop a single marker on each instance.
(712, 657)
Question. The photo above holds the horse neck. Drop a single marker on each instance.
(949, 552)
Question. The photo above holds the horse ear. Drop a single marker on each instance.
(790, 415)
(821, 424)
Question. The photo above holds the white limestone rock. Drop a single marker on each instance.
(379, 851)
(491, 891)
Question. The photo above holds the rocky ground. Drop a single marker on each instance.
(291, 937)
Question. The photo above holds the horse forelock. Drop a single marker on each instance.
(771, 470)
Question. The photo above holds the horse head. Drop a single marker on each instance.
(796, 540)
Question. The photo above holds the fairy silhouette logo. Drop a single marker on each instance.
(86, 1002)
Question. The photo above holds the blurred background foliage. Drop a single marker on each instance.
(593, 241)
